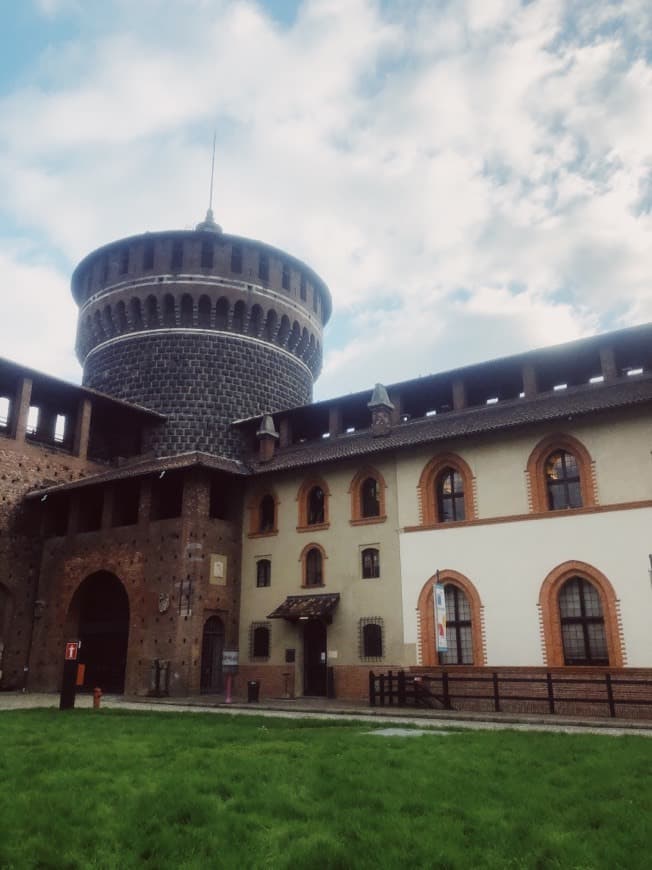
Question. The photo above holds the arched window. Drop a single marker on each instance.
(370, 563)
(169, 313)
(445, 490)
(313, 574)
(267, 514)
(263, 514)
(464, 618)
(259, 640)
(449, 494)
(187, 306)
(371, 638)
(263, 573)
(560, 472)
(222, 313)
(579, 618)
(367, 497)
(562, 481)
(315, 514)
(313, 505)
(582, 624)
(458, 628)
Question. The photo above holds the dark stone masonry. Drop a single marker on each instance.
(201, 382)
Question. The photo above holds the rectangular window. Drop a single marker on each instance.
(32, 420)
(148, 255)
(370, 557)
(177, 255)
(302, 288)
(4, 411)
(236, 258)
(259, 640)
(315, 300)
(207, 253)
(263, 573)
(124, 261)
(371, 638)
(263, 267)
(285, 277)
(105, 270)
(60, 428)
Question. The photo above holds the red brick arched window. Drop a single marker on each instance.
(313, 498)
(313, 559)
(465, 607)
(446, 491)
(263, 513)
(560, 473)
(579, 612)
(367, 492)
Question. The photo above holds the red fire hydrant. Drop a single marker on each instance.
(97, 696)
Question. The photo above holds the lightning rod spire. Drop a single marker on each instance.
(208, 224)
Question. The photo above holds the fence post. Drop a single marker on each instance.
(382, 689)
(496, 694)
(444, 690)
(610, 695)
(401, 688)
(551, 692)
(372, 689)
(390, 688)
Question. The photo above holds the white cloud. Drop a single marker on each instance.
(467, 177)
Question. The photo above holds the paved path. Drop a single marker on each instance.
(334, 710)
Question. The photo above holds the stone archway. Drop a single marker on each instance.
(99, 617)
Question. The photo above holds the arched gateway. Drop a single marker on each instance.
(99, 617)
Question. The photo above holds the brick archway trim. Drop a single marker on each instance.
(426, 618)
(354, 490)
(302, 498)
(426, 487)
(536, 476)
(551, 620)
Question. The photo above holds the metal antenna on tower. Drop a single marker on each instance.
(209, 221)
(210, 195)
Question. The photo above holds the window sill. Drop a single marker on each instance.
(316, 527)
(269, 534)
(367, 521)
(313, 586)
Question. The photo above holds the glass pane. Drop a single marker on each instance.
(450, 657)
(571, 466)
(574, 495)
(573, 640)
(592, 604)
(466, 641)
(597, 641)
(569, 599)
(459, 507)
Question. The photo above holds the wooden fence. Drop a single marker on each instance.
(446, 690)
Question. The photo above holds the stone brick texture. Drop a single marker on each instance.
(169, 556)
(202, 382)
(24, 466)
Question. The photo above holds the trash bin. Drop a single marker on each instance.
(253, 690)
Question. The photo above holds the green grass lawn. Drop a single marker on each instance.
(114, 789)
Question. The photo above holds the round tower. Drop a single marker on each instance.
(202, 326)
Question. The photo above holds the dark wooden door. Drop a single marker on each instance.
(314, 658)
(211, 655)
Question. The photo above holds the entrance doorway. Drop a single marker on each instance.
(99, 618)
(211, 655)
(314, 658)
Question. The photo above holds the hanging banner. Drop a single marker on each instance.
(440, 618)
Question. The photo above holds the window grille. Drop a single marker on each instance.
(314, 573)
(371, 638)
(458, 628)
(563, 481)
(259, 640)
(450, 496)
(582, 624)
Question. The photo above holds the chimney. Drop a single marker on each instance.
(381, 411)
(267, 438)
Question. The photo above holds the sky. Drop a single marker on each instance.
(471, 178)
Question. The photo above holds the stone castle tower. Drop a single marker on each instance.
(201, 326)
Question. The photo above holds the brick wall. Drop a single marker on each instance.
(24, 466)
